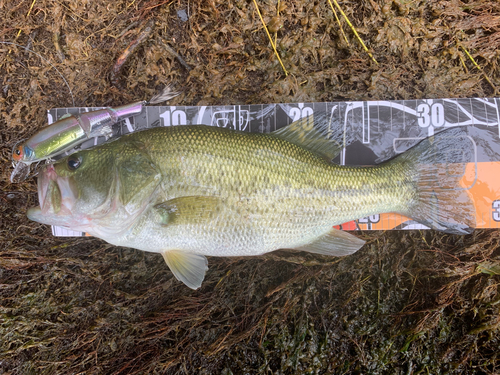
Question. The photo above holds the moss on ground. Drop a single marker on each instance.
(407, 303)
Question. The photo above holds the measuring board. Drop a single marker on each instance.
(374, 131)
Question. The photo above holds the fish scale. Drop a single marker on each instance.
(305, 190)
(193, 191)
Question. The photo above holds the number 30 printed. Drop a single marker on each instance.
(430, 115)
(496, 210)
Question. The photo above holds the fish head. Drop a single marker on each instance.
(76, 189)
(100, 191)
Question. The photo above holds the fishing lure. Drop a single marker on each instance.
(71, 131)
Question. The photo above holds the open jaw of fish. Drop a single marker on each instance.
(61, 205)
(57, 197)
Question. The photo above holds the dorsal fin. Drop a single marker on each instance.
(315, 133)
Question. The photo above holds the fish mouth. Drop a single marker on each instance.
(57, 196)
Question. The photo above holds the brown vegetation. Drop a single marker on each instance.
(408, 302)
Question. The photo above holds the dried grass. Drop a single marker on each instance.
(408, 302)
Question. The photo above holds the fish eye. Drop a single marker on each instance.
(74, 162)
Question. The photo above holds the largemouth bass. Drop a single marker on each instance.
(189, 192)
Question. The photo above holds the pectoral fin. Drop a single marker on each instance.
(187, 267)
(189, 210)
(335, 243)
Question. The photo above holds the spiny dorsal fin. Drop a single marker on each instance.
(335, 243)
(315, 133)
(187, 267)
(189, 210)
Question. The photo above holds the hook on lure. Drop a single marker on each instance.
(71, 131)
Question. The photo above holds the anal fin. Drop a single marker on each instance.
(187, 267)
(334, 243)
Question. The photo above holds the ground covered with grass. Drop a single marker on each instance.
(409, 302)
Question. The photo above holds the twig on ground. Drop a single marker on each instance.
(55, 40)
(143, 35)
(177, 56)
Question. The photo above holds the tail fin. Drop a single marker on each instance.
(439, 163)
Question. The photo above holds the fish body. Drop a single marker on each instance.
(193, 191)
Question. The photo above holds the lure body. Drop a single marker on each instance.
(69, 132)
